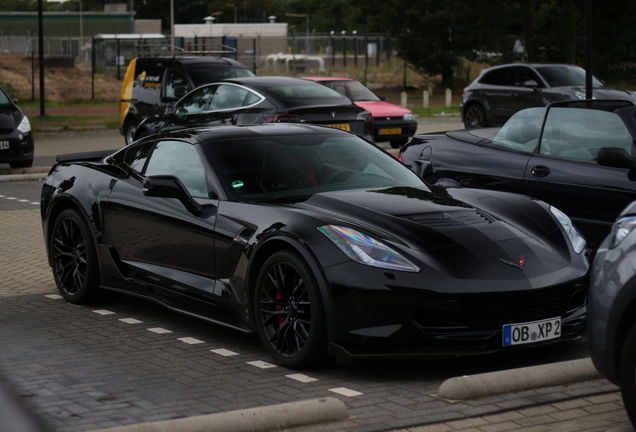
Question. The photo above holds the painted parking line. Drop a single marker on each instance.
(20, 200)
(159, 330)
(104, 312)
(130, 321)
(345, 392)
(261, 364)
(302, 378)
(54, 296)
(190, 340)
(224, 352)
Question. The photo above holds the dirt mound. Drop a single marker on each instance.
(17, 76)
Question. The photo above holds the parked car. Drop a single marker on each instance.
(391, 122)
(500, 91)
(258, 100)
(152, 84)
(612, 322)
(316, 239)
(16, 136)
(573, 155)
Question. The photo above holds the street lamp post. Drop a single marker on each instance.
(234, 6)
(81, 40)
(307, 29)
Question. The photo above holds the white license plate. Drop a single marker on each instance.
(4, 145)
(531, 332)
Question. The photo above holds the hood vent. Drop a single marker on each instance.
(451, 219)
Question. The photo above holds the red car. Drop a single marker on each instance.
(391, 122)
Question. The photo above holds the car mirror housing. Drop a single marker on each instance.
(169, 186)
(422, 168)
(615, 157)
(531, 83)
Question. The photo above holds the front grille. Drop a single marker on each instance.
(450, 219)
(493, 310)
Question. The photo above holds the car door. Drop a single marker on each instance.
(497, 93)
(564, 171)
(525, 96)
(157, 240)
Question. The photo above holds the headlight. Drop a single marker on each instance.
(366, 116)
(25, 125)
(408, 117)
(576, 240)
(366, 250)
(621, 229)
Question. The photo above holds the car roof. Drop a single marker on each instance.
(329, 79)
(268, 80)
(198, 60)
(534, 65)
(223, 133)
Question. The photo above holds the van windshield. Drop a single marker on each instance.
(203, 76)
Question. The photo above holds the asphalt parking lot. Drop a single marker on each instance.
(130, 361)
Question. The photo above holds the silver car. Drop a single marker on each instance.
(612, 311)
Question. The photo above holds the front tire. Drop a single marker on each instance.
(627, 374)
(75, 265)
(475, 117)
(130, 128)
(289, 311)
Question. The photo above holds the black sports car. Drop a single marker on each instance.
(574, 155)
(257, 100)
(316, 239)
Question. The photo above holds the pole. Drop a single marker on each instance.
(41, 57)
(172, 26)
(589, 92)
(81, 30)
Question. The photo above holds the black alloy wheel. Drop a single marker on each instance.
(75, 266)
(627, 374)
(289, 312)
(475, 117)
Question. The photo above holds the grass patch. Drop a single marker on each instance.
(110, 121)
(24, 103)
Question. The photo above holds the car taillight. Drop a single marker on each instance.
(399, 157)
(289, 118)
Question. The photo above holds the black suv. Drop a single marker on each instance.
(500, 91)
(153, 84)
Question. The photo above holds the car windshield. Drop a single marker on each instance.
(4, 99)
(354, 90)
(300, 90)
(214, 74)
(521, 131)
(561, 76)
(279, 167)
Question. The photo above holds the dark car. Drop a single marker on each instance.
(612, 320)
(152, 84)
(318, 240)
(391, 122)
(573, 155)
(501, 91)
(16, 136)
(259, 100)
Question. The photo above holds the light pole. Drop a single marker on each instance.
(172, 26)
(234, 6)
(307, 30)
(81, 41)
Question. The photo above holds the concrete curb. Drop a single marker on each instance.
(261, 419)
(514, 380)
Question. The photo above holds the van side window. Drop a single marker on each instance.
(175, 79)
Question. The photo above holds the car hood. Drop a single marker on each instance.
(8, 117)
(445, 232)
(383, 109)
(608, 93)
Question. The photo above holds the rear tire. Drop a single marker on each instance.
(627, 374)
(475, 117)
(289, 311)
(74, 259)
(130, 128)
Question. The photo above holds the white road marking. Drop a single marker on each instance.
(104, 312)
(345, 391)
(261, 364)
(190, 340)
(54, 296)
(130, 320)
(224, 352)
(159, 330)
(302, 378)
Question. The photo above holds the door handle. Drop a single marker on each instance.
(540, 171)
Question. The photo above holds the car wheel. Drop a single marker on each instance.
(475, 117)
(74, 259)
(289, 312)
(23, 164)
(130, 128)
(398, 143)
(627, 374)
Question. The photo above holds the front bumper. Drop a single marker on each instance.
(386, 320)
(20, 147)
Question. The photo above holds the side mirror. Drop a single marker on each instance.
(531, 83)
(615, 157)
(382, 98)
(169, 186)
(422, 168)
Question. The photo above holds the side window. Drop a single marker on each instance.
(526, 74)
(137, 155)
(181, 160)
(175, 80)
(197, 101)
(501, 77)
(228, 97)
(579, 133)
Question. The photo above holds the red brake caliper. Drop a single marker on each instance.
(279, 296)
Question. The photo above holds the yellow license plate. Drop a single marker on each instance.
(343, 126)
(391, 131)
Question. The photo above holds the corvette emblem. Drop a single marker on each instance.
(519, 264)
(333, 114)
